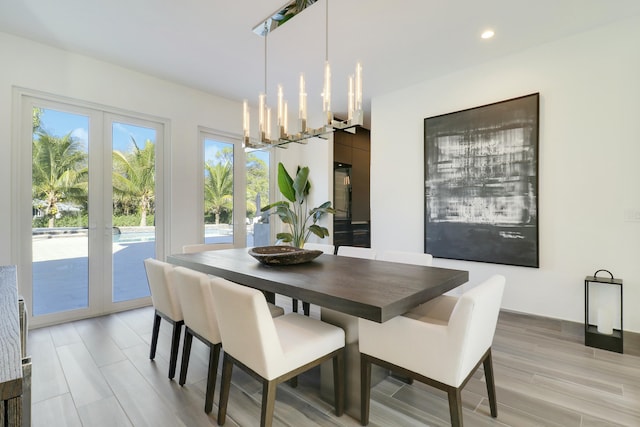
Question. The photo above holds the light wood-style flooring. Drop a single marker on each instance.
(97, 372)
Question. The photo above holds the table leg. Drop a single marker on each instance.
(270, 297)
(351, 364)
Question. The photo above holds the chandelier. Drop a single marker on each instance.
(282, 135)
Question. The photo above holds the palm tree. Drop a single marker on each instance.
(257, 182)
(59, 172)
(218, 188)
(134, 177)
(36, 120)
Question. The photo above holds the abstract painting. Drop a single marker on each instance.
(481, 183)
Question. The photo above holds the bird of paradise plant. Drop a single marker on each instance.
(300, 221)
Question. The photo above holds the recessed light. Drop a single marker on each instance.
(487, 34)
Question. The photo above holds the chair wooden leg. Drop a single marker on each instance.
(338, 383)
(294, 305)
(491, 386)
(225, 386)
(269, 389)
(306, 308)
(186, 352)
(154, 336)
(175, 343)
(399, 377)
(293, 382)
(365, 389)
(455, 406)
(214, 356)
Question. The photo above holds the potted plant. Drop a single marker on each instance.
(300, 221)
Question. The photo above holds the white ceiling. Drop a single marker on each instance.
(209, 45)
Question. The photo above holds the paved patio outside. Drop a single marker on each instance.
(60, 270)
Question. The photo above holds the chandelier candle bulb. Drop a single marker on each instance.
(262, 99)
(302, 101)
(358, 90)
(245, 123)
(285, 122)
(281, 117)
(268, 129)
(326, 93)
(350, 100)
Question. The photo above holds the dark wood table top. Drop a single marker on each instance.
(374, 290)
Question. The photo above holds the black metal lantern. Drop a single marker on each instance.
(602, 335)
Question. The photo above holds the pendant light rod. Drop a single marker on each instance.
(264, 112)
(326, 31)
(265, 61)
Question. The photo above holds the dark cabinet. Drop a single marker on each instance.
(352, 165)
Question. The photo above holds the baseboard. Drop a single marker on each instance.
(573, 331)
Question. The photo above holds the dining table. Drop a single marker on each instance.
(344, 288)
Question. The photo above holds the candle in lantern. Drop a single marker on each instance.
(605, 321)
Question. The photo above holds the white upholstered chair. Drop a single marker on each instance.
(166, 305)
(196, 300)
(440, 344)
(356, 252)
(324, 247)
(273, 350)
(405, 257)
(415, 258)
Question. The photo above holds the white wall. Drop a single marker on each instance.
(589, 89)
(42, 68)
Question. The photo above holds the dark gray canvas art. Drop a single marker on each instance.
(481, 183)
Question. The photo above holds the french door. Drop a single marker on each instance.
(235, 185)
(91, 208)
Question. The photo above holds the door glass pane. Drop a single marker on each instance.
(258, 233)
(134, 231)
(218, 191)
(59, 205)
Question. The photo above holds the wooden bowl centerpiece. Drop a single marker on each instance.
(283, 255)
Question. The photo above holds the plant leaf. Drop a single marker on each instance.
(325, 205)
(307, 188)
(284, 237)
(321, 232)
(285, 183)
(284, 212)
(317, 213)
(273, 205)
(300, 185)
(297, 217)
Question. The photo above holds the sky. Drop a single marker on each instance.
(60, 123)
